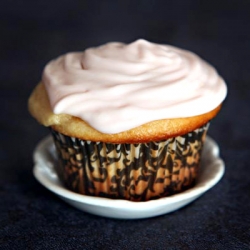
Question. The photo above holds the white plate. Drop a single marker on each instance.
(212, 170)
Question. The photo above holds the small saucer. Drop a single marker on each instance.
(212, 170)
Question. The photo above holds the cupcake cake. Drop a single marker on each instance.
(128, 120)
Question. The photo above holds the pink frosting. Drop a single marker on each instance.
(116, 87)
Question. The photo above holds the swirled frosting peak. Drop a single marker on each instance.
(116, 87)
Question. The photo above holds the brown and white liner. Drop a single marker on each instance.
(136, 172)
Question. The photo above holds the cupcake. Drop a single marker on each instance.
(128, 120)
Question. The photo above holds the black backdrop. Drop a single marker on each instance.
(33, 32)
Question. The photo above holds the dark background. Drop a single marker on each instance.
(34, 32)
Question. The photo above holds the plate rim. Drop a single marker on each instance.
(57, 188)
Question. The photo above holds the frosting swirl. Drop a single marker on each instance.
(116, 87)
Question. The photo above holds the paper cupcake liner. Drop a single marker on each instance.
(137, 172)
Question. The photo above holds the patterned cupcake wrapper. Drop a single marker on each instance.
(137, 172)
